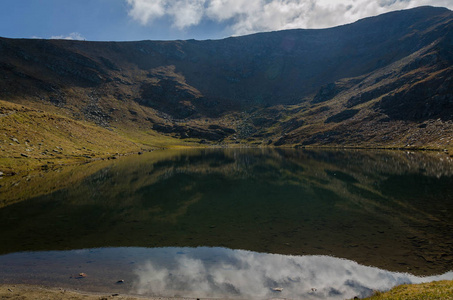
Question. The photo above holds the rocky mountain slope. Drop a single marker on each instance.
(384, 81)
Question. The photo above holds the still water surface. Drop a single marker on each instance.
(234, 223)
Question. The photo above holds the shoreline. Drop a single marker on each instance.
(431, 290)
(30, 164)
(26, 291)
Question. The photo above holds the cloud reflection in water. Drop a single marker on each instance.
(220, 272)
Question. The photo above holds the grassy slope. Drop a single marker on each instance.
(371, 127)
(31, 138)
(431, 290)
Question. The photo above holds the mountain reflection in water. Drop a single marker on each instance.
(391, 210)
(205, 272)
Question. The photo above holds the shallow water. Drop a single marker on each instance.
(203, 272)
(392, 211)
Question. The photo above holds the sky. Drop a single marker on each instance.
(130, 20)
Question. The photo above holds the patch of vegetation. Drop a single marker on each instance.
(431, 290)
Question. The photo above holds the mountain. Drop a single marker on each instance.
(383, 81)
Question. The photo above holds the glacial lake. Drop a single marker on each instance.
(232, 223)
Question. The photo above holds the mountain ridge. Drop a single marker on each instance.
(383, 81)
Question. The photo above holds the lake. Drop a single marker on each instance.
(236, 223)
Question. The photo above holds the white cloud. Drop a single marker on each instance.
(186, 12)
(146, 11)
(71, 36)
(183, 12)
(249, 16)
(227, 9)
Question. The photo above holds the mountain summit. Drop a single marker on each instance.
(384, 81)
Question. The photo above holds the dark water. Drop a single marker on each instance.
(320, 224)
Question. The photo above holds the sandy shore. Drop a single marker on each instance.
(34, 292)
(432, 290)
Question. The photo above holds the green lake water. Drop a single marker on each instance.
(318, 224)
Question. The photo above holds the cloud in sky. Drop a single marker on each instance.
(71, 36)
(249, 16)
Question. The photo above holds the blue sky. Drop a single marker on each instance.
(128, 20)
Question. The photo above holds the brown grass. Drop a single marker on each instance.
(431, 290)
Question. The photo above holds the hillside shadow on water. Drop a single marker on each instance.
(391, 210)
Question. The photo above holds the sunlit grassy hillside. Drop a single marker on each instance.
(31, 138)
(433, 290)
